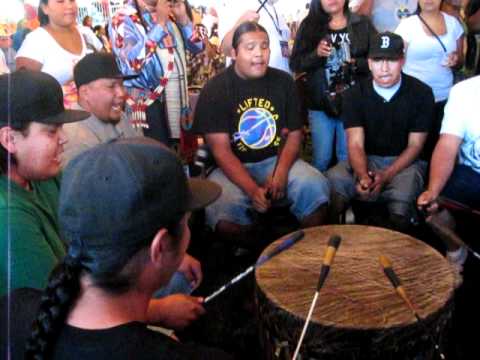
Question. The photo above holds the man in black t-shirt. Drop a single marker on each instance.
(386, 120)
(247, 114)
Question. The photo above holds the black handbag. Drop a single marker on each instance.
(315, 88)
(320, 97)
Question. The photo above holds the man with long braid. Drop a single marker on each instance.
(98, 301)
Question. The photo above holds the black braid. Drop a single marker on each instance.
(62, 290)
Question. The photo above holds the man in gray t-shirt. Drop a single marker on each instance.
(386, 14)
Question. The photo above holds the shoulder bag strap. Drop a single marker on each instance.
(433, 32)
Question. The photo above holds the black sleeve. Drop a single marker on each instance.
(304, 56)
(352, 108)
(212, 113)
(361, 62)
(292, 110)
(424, 109)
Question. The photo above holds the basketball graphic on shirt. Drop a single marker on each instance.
(256, 128)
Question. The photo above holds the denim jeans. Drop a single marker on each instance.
(464, 186)
(399, 194)
(307, 189)
(325, 131)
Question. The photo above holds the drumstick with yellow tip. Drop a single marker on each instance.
(332, 247)
(392, 276)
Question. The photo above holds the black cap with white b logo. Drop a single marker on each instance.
(386, 45)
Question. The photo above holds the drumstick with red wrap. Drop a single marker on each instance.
(284, 245)
(395, 281)
(332, 248)
(448, 235)
(455, 205)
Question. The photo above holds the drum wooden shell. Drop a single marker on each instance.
(358, 314)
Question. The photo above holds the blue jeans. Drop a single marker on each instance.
(464, 186)
(325, 131)
(307, 189)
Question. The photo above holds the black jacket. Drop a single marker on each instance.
(360, 31)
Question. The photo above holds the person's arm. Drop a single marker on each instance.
(192, 41)
(358, 159)
(457, 57)
(473, 21)
(131, 47)
(361, 63)
(174, 311)
(27, 64)
(234, 170)
(441, 167)
(366, 8)
(416, 140)
(288, 156)
(307, 57)
(226, 45)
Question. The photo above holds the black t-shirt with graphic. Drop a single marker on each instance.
(337, 70)
(253, 112)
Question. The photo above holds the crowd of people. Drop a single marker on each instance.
(98, 126)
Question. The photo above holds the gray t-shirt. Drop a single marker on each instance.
(386, 14)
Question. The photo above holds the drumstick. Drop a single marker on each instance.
(332, 247)
(395, 281)
(284, 245)
(261, 6)
(449, 235)
(455, 205)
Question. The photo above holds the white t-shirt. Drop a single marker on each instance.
(270, 19)
(3, 64)
(425, 55)
(461, 119)
(40, 46)
(386, 14)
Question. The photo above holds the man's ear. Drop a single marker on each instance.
(159, 246)
(83, 92)
(233, 54)
(8, 138)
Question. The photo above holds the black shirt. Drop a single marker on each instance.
(253, 112)
(129, 341)
(387, 124)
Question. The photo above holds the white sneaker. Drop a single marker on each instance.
(456, 259)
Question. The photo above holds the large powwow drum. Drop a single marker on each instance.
(358, 313)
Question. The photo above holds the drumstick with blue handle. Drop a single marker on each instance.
(284, 245)
(397, 285)
(332, 248)
(262, 5)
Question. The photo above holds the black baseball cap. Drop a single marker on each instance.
(97, 66)
(27, 96)
(115, 197)
(386, 45)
